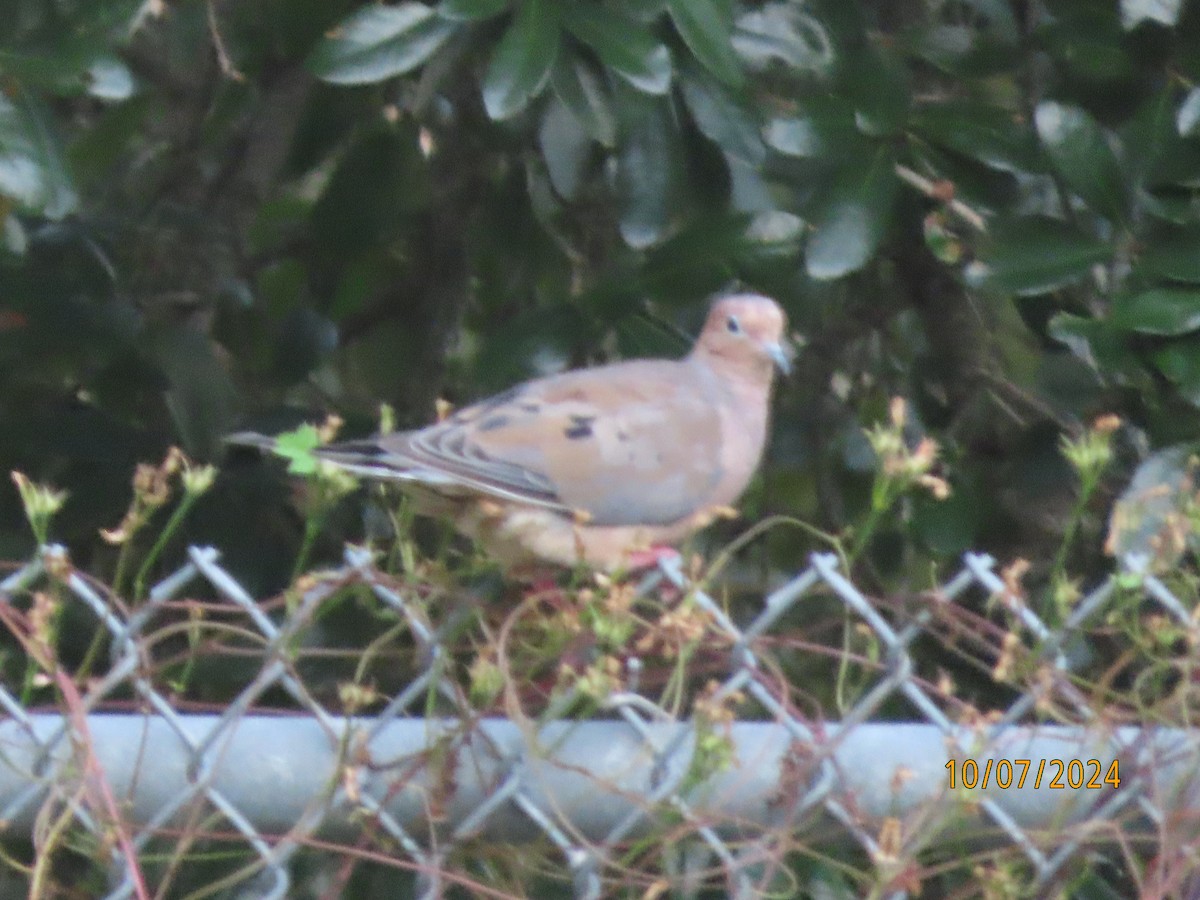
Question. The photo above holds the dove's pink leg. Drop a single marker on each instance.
(544, 584)
(650, 557)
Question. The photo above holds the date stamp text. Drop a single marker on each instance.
(1057, 774)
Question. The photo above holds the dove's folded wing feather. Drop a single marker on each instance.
(609, 448)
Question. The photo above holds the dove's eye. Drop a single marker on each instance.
(733, 325)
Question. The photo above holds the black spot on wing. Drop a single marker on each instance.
(491, 423)
(580, 428)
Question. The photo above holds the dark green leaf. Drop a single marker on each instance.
(68, 63)
(32, 171)
(946, 45)
(1081, 154)
(1033, 255)
(784, 32)
(795, 137)
(15, 239)
(1178, 166)
(1164, 12)
(1179, 361)
(706, 27)
(1146, 517)
(647, 11)
(876, 82)
(852, 218)
(721, 118)
(823, 126)
(471, 10)
(748, 189)
(584, 93)
(200, 396)
(522, 62)
(565, 148)
(380, 42)
(543, 200)
(774, 233)
(1163, 311)
(624, 45)
(647, 170)
(1155, 154)
(988, 134)
(1175, 255)
(1171, 206)
(1187, 120)
(1149, 135)
(1103, 348)
(107, 78)
(1067, 382)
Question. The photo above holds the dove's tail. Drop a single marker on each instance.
(369, 460)
(250, 439)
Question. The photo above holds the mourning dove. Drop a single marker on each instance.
(596, 466)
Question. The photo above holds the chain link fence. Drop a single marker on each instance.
(210, 743)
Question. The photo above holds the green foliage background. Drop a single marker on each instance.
(228, 215)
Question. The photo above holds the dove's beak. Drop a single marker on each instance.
(781, 353)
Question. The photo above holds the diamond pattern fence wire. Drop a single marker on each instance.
(462, 778)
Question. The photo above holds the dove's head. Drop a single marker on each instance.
(747, 331)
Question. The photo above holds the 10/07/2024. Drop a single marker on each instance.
(1013, 773)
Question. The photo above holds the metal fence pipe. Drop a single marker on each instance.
(589, 776)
